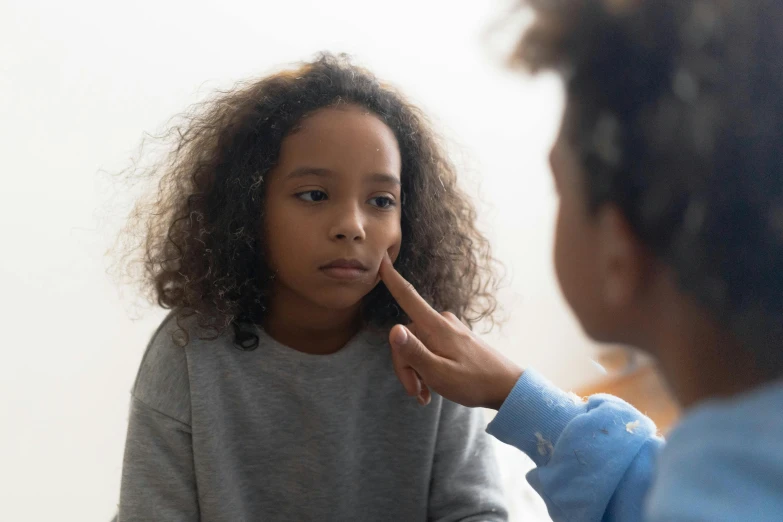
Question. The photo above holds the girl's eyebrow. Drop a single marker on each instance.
(377, 177)
(384, 178)
(309, 171)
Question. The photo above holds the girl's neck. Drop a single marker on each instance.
(704, 367)
(306, 327)
(700, 359)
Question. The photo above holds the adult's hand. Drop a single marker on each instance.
(437, 351)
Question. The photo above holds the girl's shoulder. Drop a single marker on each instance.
(163, 381)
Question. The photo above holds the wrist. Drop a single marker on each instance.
(505, 384)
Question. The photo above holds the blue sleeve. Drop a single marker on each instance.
(594, 458)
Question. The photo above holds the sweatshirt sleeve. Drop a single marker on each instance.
(465, 484)
(594, 458)
(158, 473)
(158, 480)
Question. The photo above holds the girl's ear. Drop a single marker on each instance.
(622, 259)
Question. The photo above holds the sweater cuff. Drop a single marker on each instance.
(534, 415)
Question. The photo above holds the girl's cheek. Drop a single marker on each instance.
(392, 237)
(394, 251)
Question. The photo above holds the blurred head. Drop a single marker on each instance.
(668, 162)
(298, 183)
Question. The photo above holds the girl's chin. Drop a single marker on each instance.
(344, 298)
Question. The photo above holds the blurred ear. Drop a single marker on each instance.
(622, 259)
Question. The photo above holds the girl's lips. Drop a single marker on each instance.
(345, 269)
(344, 273)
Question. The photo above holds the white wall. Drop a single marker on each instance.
(80, 81)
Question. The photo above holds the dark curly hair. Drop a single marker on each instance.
(203, 246)
(674, 108)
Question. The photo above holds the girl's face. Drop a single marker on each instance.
(576, 254)
(333, 208)
(602, 268)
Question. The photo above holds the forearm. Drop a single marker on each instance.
(594, 458)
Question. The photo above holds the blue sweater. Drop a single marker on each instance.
(600, 459)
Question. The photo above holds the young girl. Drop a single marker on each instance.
(670, 239)
(269, 392)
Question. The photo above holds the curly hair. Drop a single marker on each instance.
(203, 247)
(675, 112)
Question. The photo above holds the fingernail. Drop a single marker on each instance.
(421, 400)
(400, 336)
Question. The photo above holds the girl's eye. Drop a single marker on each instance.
(382, 202)
(312, 196)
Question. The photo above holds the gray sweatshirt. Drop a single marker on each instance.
(220, 434)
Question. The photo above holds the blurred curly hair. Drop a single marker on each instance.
(675, 112)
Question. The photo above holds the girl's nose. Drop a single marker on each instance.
(348, 226)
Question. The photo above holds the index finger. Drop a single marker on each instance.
(407, 297)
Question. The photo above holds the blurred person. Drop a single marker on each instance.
(669, 239)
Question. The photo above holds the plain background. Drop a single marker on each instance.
(81, 81)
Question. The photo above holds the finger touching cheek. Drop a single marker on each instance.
(394, 251)
(395, 243)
